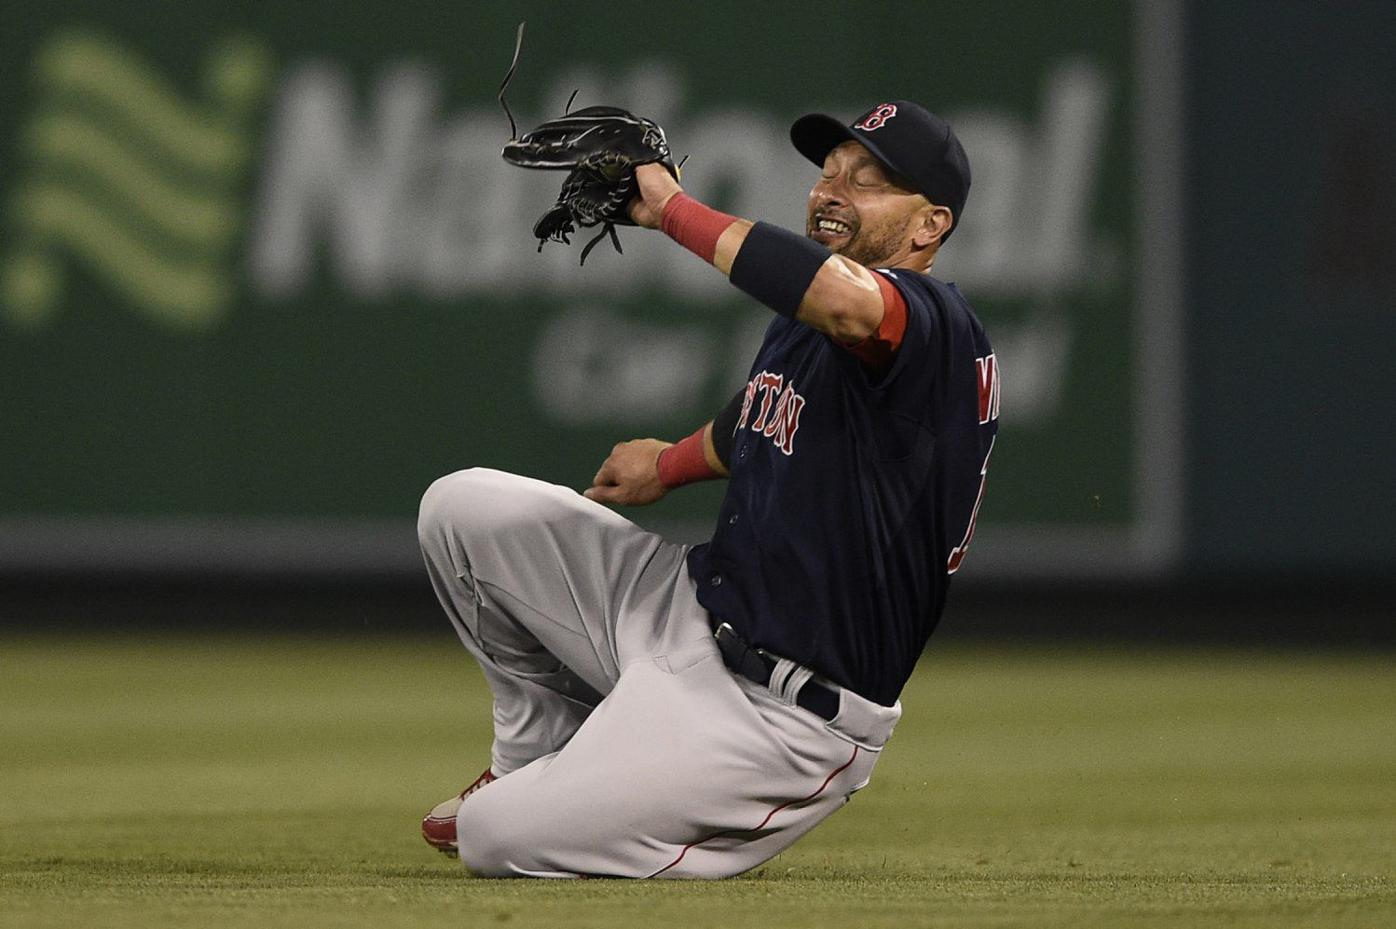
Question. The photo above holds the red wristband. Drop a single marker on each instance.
(694, 225)
(684, 462)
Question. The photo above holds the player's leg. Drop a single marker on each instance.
(536, 580)
(538, 701)
(684, 770)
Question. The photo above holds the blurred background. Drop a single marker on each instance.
(263, 277)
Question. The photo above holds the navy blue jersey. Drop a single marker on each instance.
(853, 494)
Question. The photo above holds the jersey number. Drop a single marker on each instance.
(957, 554)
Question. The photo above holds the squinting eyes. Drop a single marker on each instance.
(862, 180)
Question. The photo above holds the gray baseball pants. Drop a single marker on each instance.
(623, 744)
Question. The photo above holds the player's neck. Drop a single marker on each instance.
(921, 264)
(910, 259)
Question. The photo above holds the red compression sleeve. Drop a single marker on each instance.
(880, 347)
(695, 226)
(684, 462)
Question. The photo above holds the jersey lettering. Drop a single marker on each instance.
(779, 416)
(957, 554)
(781, 428)
(770, 383)
(988, 371)
(748, 398)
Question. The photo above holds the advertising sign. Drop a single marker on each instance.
(263, 274)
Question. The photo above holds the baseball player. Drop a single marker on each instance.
(662, 710)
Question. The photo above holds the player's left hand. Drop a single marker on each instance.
(630, 475)
(657, 185)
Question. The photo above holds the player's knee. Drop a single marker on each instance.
(449, 500)
(478, 503)
(489, 846)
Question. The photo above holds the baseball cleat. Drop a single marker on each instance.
(439, 826)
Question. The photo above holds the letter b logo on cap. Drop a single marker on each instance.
(877, 118)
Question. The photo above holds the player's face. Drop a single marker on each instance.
(859, 210)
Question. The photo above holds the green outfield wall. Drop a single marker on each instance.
(263, 275)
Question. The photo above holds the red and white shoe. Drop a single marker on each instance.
(439, 826)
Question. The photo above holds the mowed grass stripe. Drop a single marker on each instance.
(226, 781)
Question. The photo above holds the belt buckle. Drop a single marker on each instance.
(724, 633)
(732, 634)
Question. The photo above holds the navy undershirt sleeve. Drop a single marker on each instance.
(724, 428)
(776, 266)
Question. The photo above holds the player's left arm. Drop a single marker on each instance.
(842, 299)
(642, 471)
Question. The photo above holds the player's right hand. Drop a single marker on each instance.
(630, 475)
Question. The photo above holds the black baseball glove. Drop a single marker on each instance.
(600, 147)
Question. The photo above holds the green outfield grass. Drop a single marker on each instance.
(217, 782)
